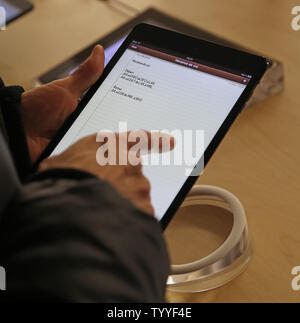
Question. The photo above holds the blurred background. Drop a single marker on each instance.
(56, 29)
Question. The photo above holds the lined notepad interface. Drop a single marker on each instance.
(154, 90)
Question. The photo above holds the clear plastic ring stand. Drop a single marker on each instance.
(227, 261)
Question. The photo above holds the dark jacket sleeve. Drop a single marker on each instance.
(67, 236)
(71, 237)
(12, 129)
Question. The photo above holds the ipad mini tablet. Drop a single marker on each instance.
(163, 80)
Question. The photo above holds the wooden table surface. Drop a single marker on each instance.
(260, 157)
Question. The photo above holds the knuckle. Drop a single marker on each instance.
(150, 209)
(146, 184)
(134, 160)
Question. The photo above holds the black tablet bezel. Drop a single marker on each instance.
(216, 54)
(23, 5)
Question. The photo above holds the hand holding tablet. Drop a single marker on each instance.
(126, 178)
(164, 81)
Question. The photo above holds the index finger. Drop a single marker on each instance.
(149, 142)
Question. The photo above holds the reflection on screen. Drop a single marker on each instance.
(11, 10)
(109, 52)
(183, 95)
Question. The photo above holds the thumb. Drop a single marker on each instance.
(87, 73)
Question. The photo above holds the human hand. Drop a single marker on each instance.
(127, 179)
(45, 108)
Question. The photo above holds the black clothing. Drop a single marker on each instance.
(12, 127)
(65, 235)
